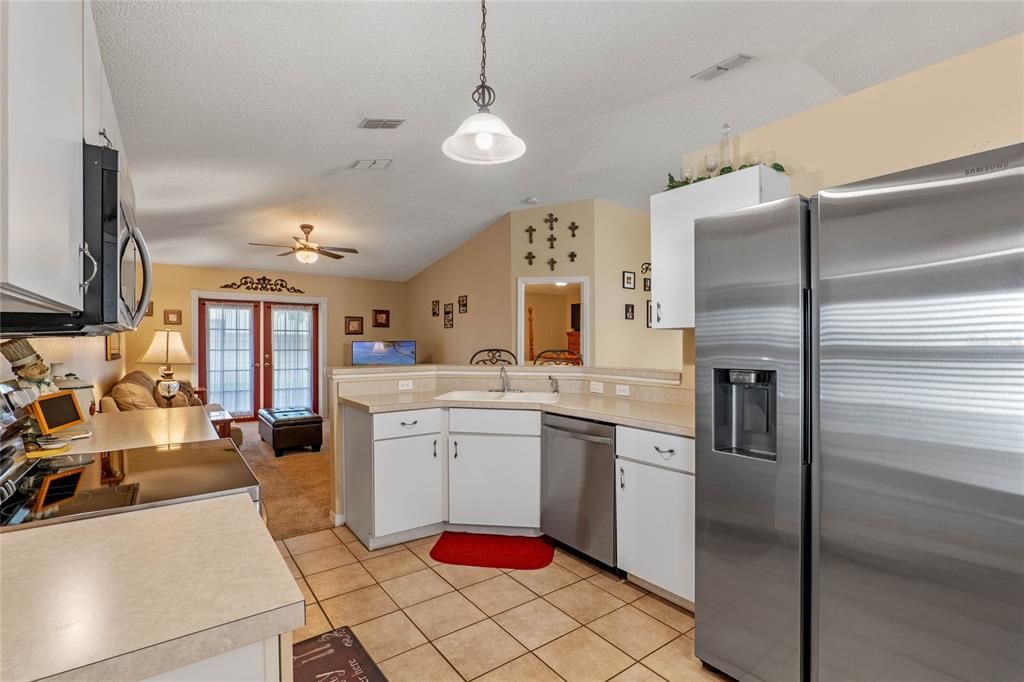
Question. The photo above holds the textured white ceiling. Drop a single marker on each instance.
(239, 118)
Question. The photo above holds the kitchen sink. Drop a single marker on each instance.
(497, 396)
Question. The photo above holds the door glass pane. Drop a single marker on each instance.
(292, 347)
(229, 356)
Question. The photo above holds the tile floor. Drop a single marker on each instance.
(421, 620)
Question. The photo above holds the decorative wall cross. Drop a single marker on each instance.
(530, 257)
(572, 229)
(551, 241)
(572, 256)
(551, 264)
(529, 232)
(551, 220)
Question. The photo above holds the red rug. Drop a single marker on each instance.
(493, 551)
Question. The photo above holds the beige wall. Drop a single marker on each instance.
(84, 356)
(173, 284)
(479, 269)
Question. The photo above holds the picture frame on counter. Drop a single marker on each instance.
(353, 325)
(628, 279)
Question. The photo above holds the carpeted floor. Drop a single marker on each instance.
(296, 488)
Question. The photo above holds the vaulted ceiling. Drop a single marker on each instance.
(240, 119)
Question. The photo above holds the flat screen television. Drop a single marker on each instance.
(383, 352)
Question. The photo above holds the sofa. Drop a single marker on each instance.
(137, 391)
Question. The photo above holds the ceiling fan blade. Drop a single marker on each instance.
(335, 256)
(286, 253)
(276, 246)
(343, 249)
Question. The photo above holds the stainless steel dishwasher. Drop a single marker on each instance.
(577, 485)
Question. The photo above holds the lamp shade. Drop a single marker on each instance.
(483, 138)
(167, 348)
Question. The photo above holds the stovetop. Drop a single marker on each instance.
(63, 488)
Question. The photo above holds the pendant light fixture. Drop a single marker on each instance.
(483, 138)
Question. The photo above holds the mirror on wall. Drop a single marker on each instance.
(552, 320)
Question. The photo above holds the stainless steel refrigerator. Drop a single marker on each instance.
(860, 430)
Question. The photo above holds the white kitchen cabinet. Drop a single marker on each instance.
(41, 156)
(408, 483)
(93, 81)
(494, 480)
(672, 231)
(655, 525)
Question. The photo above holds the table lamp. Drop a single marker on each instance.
(167, 348)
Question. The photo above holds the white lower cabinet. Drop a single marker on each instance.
(655, 525)
(494, 477)
(408, 483)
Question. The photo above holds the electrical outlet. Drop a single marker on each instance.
(405, 384)
(621, 389)
(596, 387)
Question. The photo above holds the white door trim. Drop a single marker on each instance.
(584, 283)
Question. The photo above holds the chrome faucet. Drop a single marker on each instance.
(506, 385)
(554, 384)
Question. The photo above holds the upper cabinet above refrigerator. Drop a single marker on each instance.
(672, 216)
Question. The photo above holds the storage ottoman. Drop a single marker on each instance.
(291, 428)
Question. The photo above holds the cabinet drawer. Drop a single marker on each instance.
(662, 449)
(406, 423)
(506, 422)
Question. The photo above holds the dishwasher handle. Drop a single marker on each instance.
(604, 440)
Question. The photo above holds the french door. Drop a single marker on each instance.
(255, 354)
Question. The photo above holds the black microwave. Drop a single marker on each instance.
(119, 276)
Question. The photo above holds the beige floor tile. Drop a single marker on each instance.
(667, 613)
(358, 606)
(338, 581)
(290, 563)
(301, 544)
(307, 594)
(402, 562)
(418, 665)
(620, 588)
(344, 534)
(282, 549)
(428, 541)
(582, 656)
(584, 602)
(692, 634)
(323, 559)
(464, 576)
(547, 579)
(497, 594)
(423, 552)
(526, 668)
(633, 631)
(360, 552)
(580, 567)
(415, 587)
(536, 623)
(444, 614)
(637, 673)
(675, 662)
(479, 648)
(316, 624)
(388, 636)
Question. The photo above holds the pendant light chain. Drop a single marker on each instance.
(483, 94)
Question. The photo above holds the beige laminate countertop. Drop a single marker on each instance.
(143, 428)
(663, 417)
(127, 596)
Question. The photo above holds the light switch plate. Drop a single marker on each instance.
(621, 389)
(597, 387)
(405, 384)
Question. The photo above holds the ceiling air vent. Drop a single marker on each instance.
(733, 62)
(381, 123)
(367, 164)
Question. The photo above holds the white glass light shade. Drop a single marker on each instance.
(167, 348)
(483, 139)
(307, 257)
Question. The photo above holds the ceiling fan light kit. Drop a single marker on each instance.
(483, 138)
(306, 251)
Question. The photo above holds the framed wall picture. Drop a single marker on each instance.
(435, 308)
(650, 314)
(149, 310)
(353, 325)
(381, 318)
(115, 346)
(630, 311)
(463, 304)
(172, 317)
(647, 283)
(628, 279)
(449, 315)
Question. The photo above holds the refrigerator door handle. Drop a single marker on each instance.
(808, 339)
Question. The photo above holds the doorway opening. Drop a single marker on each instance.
(552, 315)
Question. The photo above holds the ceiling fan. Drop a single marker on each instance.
(306, 251)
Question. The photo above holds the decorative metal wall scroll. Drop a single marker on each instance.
(262, 283)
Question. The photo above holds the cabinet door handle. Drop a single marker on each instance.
(658, 310)
(456, 449)
(666, 454)
(411, 424)
(622, 478)
(84, 250)
(435, 449)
